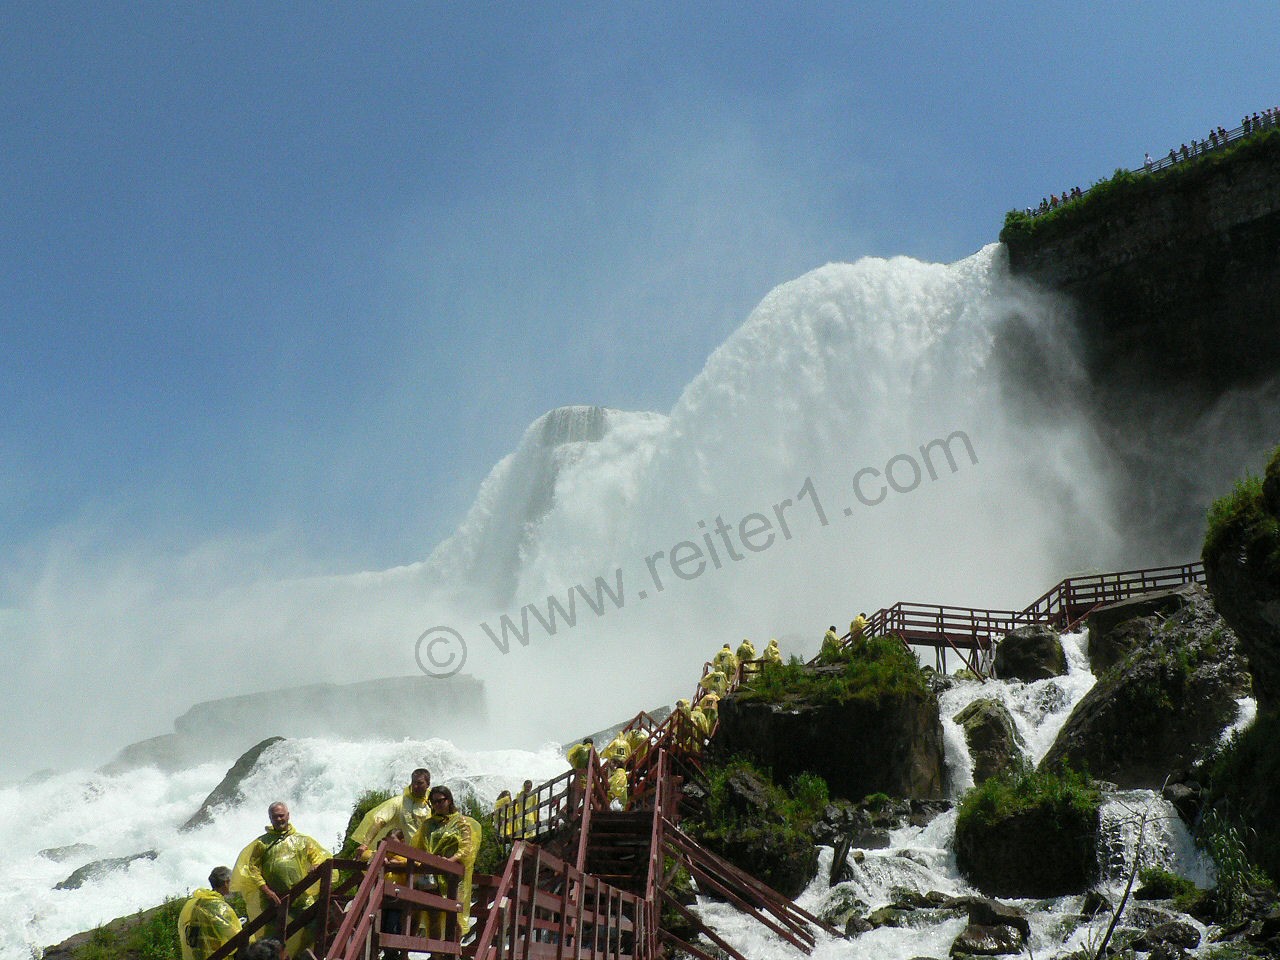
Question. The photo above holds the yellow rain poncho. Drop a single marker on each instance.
(405, 812)
(709, 704)
(857, 628)
(278, 858)
(579, 755)
(503, 821)
(205, 923)
(715, 682)
(525, 809)
(772, 654)
(618, 750)
(725, 661)
(830, 645)
(618, 787)
(452, 836)
(746, 650)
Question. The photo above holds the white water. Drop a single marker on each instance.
(141, 810)
(842, 369)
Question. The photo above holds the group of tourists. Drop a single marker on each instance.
(833, 646)
(516, 818)
(277, 861)
(1053, 201)
(1218, 137)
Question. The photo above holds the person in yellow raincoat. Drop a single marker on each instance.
(406, 813)
(746, 650)
(503, 821)
(455, 837)
(715, 682)
(579, 754)
(772, 653)
(272, 864)
(830, 645)
(858, 628)
(617, 751)
(725, 661)
(525, 809)
(709, 704)
(619, 787)
(207, 921)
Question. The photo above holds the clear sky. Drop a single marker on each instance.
(300, 274)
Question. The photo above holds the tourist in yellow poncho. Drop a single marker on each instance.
(275, 862)
(525, 807)
(619, 788)
(772, 653)
(406, 813)
(579, 754)
(617, 751)
(207, 921)
(715, 682)
(830, 645)
(725, 661)
(709, 704)
(858, 628)
(746, 650)
(455, 837)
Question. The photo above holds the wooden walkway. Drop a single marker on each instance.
(972, 632)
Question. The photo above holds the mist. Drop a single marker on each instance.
(863, 437)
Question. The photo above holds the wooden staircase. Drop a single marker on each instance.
(618, 848)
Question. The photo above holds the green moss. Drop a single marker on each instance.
(1067, 796)
(1126, 186)
(870, 671)
(150, 935)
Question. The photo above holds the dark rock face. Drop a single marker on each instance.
(1030, 653)
(1116, 628)
(994, 742)
(1036, 852)
(1176, 295)
(100, 868)
(1163, 707)
(893, 746)
(227, 792)
(1175, 933)
(1242, 565)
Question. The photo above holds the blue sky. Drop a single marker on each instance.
(304, 273)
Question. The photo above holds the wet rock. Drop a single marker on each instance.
(1174, 933)
(983, 941)
(840, 905)
(890, 744)
(1039, 851)
(1030, 653)
(1161, 709)
(1113, 634)
(886, 917)
(856, 925)
(1186, 798)
(1094, 903)
(71, 851)
(994, 742)
(101, 868)
(227, 792)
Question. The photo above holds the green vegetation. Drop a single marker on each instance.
(1240, 831)
(1067, 797)
(364, 803)
(1160, 884)
(872, 670)
(150, 935)
(1124, 186)
(1243, 512)
(1237, 875)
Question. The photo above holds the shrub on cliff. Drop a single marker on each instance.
(870, 670)
(1029, 833)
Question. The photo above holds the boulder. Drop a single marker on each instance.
(994, 742)
(1030, 653)
(227, 792)
(98, 869)
(977, 940)
(1039, 851)
(1174, 933)
(891, 744)
(71, 851)
(1242, 566)
(1164, 707)
(1107, 646)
